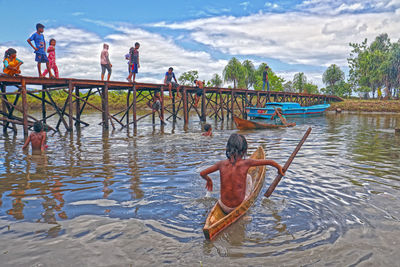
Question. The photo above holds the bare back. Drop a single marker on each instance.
(233, 182)
(37, 141)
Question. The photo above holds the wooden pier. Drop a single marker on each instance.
(215, 102)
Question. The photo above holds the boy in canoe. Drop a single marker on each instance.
(236, 184)
(278, 118)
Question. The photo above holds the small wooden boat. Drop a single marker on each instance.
(243, 124)
(217, 220)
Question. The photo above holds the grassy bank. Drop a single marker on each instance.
(367, 105)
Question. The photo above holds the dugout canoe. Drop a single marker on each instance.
(217, 220)
(243, 124)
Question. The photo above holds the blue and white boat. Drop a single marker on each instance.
(290, 109)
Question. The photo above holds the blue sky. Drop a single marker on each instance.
(291, 36)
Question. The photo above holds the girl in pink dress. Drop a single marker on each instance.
(52, 58)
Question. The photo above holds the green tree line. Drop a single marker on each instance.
(372, 68)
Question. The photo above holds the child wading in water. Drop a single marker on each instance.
(156, 105)
(236, 184)
(40, 49)
(207, 130)
(37, 139)
(52, 58)
(11, 62)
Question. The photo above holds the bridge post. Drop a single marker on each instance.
(127, 107)
(104, 103)
(203, 105)
(162, 105)
(185, 107)
(44, 87)
(173, 108)
(134, 108)
(3, 106)
(221, 104)
(70, 112)
(24, 108)
(232, 102)
(78, 108)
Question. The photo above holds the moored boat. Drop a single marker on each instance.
(243, 124)
(289, 109)
(217, 220)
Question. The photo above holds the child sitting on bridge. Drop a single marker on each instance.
(11, 63)
(236, 184)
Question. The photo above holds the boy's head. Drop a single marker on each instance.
(157, 94)
(266, 67)
(207, 127)
(10, 53)
(52, 42)
(37, 126)
(40, 27)
(170, 69)
(137, 45)
(236, 147)
(195, 81)
(105, 46)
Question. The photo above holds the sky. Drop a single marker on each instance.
(290, 36)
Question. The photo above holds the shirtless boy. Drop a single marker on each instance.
(236, 185)
(37, 139)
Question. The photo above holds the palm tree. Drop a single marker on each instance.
(299, 81)
(233, 72)
(250, 73)
(216, 80)
(332, 76)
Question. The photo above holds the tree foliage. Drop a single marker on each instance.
(216, 80)
(234, 72)
(375, 65)
(188, 77)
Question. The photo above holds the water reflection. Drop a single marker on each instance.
(344, 179)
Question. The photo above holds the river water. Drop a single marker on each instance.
(121, 198)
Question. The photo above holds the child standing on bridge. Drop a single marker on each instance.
(105, 62)
(11, 62)
(200, 87)
(52, 58)
(40, 49)
(236, 184)
(133, 62)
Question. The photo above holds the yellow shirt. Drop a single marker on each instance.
(11, 63)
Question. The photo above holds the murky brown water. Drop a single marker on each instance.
(120, 199)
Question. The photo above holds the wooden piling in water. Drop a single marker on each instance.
(185, 107)
(203, 106)
(104, 103)
(162, 105)
(70, 112)
(134, 95)
(3, 106)
(24, 108)
(77, 108)
(43, 95)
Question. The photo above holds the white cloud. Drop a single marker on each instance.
(78, 54)
(294, 38)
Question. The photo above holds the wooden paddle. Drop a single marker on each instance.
(287, 164)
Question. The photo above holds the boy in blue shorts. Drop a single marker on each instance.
(134, 64)
(40, 49)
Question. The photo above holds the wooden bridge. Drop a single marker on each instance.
(215, 102)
